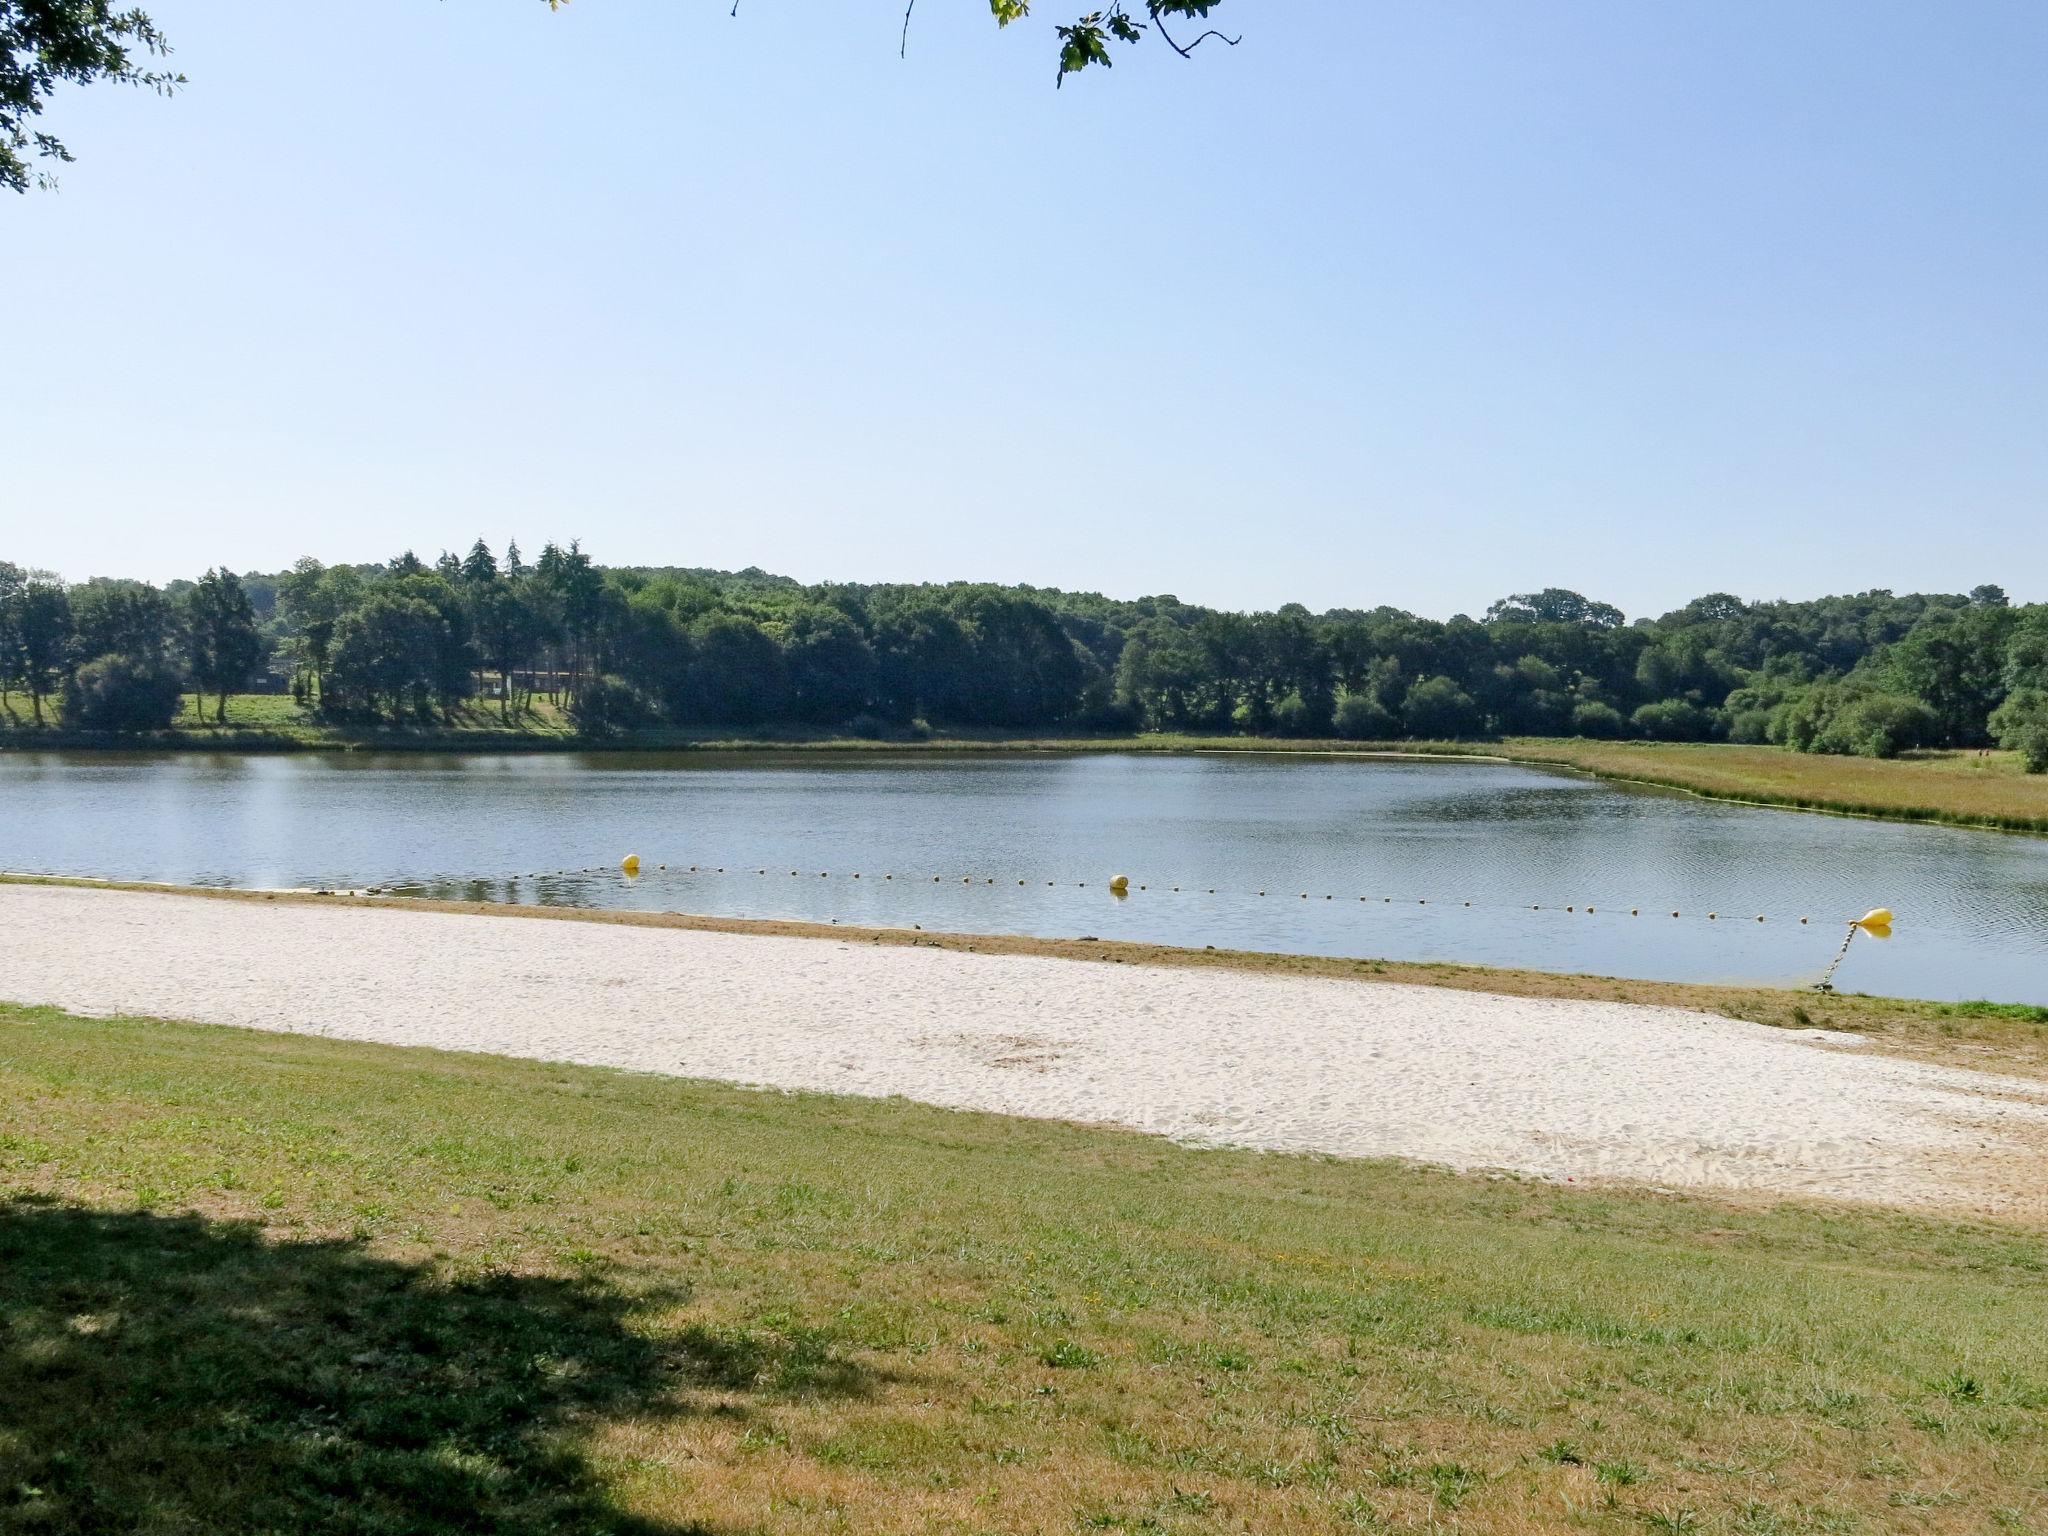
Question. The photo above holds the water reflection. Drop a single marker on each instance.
(1027, 844)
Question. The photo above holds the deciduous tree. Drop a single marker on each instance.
(48, 43)
(41, 635)
(222, 643)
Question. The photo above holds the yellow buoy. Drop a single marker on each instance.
(1874, 919)
(1120, 884)
(631, 864)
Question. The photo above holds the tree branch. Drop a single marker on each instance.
(1188, 52)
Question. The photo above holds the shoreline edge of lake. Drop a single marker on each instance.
(1936, 788)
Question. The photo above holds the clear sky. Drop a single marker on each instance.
(1400, 302)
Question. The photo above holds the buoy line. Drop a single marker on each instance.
(633, 870)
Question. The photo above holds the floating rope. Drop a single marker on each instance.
(1827, 977)
(1121, 889)
(1876, 922)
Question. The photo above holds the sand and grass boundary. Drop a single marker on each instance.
(2001, 1037)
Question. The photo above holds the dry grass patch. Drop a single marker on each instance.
(1969, 788)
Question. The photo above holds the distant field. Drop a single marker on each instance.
(1966, 788)
(1987, 789)
(254, 1282)
(256, 720)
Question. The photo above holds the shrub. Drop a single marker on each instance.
(1672, 720)
(2020, 725)
(121, 693)
(1362, 717)
(1849, 717)
(1751, 727)
(1593, 718)
(1436, 706)
(607, 705)
(1798, 720)
(1877, 725)
(1295, 716)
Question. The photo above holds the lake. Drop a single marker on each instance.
(1027, 844)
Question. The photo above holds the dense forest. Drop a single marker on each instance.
(410, 641)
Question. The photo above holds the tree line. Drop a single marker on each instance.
(412, 642)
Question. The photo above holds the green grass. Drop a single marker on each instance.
(253, 1282)
(273, 722)
(2023, 1013)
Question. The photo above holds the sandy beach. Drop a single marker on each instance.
(1554, 1088)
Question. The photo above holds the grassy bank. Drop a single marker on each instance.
(1957, 788)
(1961, 788)
(271, 1282)
(273, 722)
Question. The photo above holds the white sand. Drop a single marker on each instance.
(1560, 1089)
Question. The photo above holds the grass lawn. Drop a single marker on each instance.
(274, 1283)
(274, 720)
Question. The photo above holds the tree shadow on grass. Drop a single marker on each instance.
(174, 1374)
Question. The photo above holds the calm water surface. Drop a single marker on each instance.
(1973, 906)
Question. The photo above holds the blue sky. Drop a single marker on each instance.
(1398, 302)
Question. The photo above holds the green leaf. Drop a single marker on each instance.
(1082, 44)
